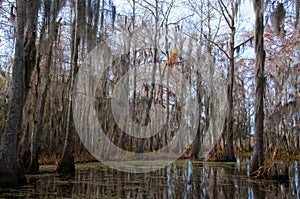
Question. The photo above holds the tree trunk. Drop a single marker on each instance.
(229, 152)
(66, 162)
(32, 8)
(196, 145)
(30, 61)
(258, 153)
(147, 119)
(35, 148)
(10, 172)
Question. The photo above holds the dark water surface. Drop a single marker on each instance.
(183, 179)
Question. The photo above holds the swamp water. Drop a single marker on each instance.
(182, 179)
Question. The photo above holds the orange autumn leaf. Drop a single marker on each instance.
(173, 57)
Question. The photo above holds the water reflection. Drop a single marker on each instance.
(184, 179)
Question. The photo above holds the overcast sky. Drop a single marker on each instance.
(246, 8)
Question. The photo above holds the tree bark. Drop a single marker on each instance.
(66, 162)
(258, 153)
(38, 130)
(10, 172)
(30, 31)
(147, 119)
(196, 145)
(229, 152)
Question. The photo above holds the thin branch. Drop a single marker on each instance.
(167, 13)
(149, 4)
(198, 10)
(174, 23)
(218, 46)
(147, 8)
(169, 9)
(244, 42)
(222, 6)
(131, 4)
(217, 32)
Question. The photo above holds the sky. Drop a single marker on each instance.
(246, 8)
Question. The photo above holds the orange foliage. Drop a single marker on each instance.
(173, 58)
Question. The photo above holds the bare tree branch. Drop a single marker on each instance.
(222, 6)
(174, 23)
(147, 8)
(218, 46)
(244, 42)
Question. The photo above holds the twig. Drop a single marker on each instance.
(218, 46)
(238, 46)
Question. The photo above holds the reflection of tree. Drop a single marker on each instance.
(256, 191)
(184, 179)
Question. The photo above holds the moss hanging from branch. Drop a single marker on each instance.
(277, 19)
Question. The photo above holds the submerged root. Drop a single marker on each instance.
(274, 172)
(217, 154)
